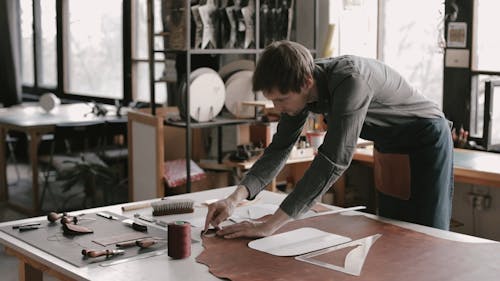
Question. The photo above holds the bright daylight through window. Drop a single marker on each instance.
(95, 50)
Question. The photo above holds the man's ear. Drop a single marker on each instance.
(308, 84)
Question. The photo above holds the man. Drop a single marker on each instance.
(358, 97)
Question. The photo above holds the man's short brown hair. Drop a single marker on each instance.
(284, 65)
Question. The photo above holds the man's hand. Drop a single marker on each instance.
(219, 212)
(246, 229)
(255, 229)
(223, 209)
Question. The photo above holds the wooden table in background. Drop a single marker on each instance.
(31, 119)
(470, 166)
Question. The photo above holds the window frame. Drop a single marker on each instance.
(62, 41)
(474, 118)
(489, 97)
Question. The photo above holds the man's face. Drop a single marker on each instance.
(291, 103)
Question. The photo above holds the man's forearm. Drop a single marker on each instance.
(239, 194)
(277, 220)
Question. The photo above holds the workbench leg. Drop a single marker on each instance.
(33, 154)
(273, 186)
(29, 273)
(4, 189)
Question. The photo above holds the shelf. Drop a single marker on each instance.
(225, 51)
(161, 33)
(186, 53)
(212, 51)
(163, 80)
(218, 51)
(218, 121)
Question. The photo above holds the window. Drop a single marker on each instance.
(48, 31)
(491, 135)
(28, 61)
(356, 24)
(410, 43)
(95, 48)
(403, 34)
(485, 66)
(39, 70)
(140, 63)
(486, 41)
(92, 48)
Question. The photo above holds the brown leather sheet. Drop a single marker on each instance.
(400, 254)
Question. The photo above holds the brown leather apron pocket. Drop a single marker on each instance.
(392, 174)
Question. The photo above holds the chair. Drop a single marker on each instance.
(114, 149)
(73, 146)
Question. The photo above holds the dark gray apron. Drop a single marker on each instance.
(429, 146)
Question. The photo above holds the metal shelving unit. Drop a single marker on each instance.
(188, 51)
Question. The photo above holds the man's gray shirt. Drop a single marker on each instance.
(352, 92)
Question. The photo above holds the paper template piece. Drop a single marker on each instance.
(297, 242)
(354, 260)
(252, 212)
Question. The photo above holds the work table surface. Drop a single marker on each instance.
(162, 267)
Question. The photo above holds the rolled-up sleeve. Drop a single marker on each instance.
(348, 107)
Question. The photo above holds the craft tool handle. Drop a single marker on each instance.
(28, 227)
(25, 225)
(136, 207)
(100, 253)
(139, 227)
(145, 243)
(94, 253)
(53, 216)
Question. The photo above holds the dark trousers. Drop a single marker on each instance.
(430, 147)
